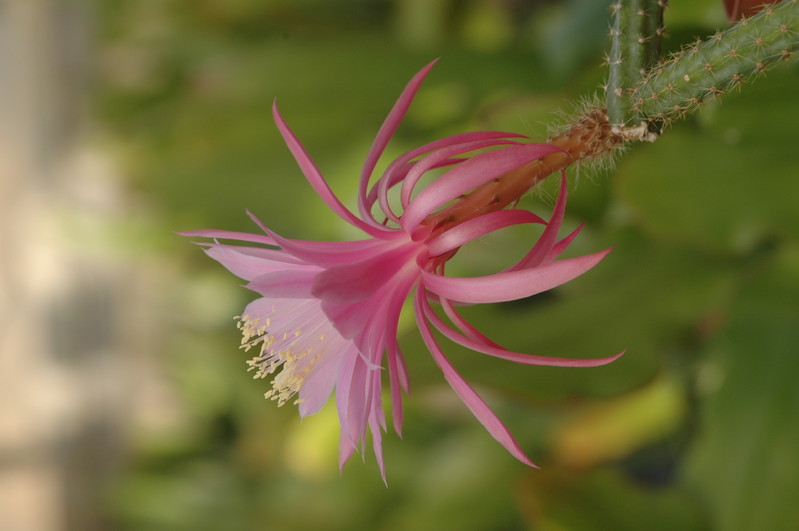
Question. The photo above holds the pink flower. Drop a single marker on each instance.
(328, 313)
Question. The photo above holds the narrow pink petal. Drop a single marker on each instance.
(315, 177)
(516, 357)
(396, 176)
(398, 374)
(468, 176)
(346, 448)
(289, 283)
(480, 226)
(229, 235)
(358, 402)
(377, 446)
(386, 132)
(510, 285)
(463, 325)
(377, 421)
(250, 262)
(329, 254)
(441, 156)
(545, 243)
(478, 407)
(396, 171)
(394, 358)
(561, 246)
(346, 394)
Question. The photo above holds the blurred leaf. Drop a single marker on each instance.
(603, 499)
(645, 298)
(728, 183)
(745, 460)
(570, 33)
(609, 430)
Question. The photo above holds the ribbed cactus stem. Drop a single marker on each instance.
(728, 59)
(635, 47)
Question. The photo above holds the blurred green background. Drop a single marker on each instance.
(696, 427)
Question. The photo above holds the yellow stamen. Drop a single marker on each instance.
(294, 365)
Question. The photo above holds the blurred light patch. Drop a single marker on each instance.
(487, 27)
(615, 428)
(312, 445)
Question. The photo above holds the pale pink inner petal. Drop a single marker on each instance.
(298, 345)
(251, 262)
(288, 283)
(321, 380)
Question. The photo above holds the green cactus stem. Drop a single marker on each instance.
(725, 61)
(635, 47)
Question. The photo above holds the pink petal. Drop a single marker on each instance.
(398, 169)
(478, 407)
(396, 176)
(441, 157)
(386, 132)
(350, 319)
(394, 374)
(329, 254)
(345, 449)
(251, 262)
(350, 405)
(544, 245)
(470, 175)
(289, 283)
(355, 282)
(320, 382)
(463, 325)
(516, 357)
(229, 235)
(477, 227)
(510, 285)
(315, 177)
(561, 246)
(377, 421)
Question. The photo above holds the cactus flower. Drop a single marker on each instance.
(328, 312)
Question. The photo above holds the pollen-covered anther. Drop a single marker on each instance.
(279, 356)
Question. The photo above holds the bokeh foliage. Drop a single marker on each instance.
(696, 427)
